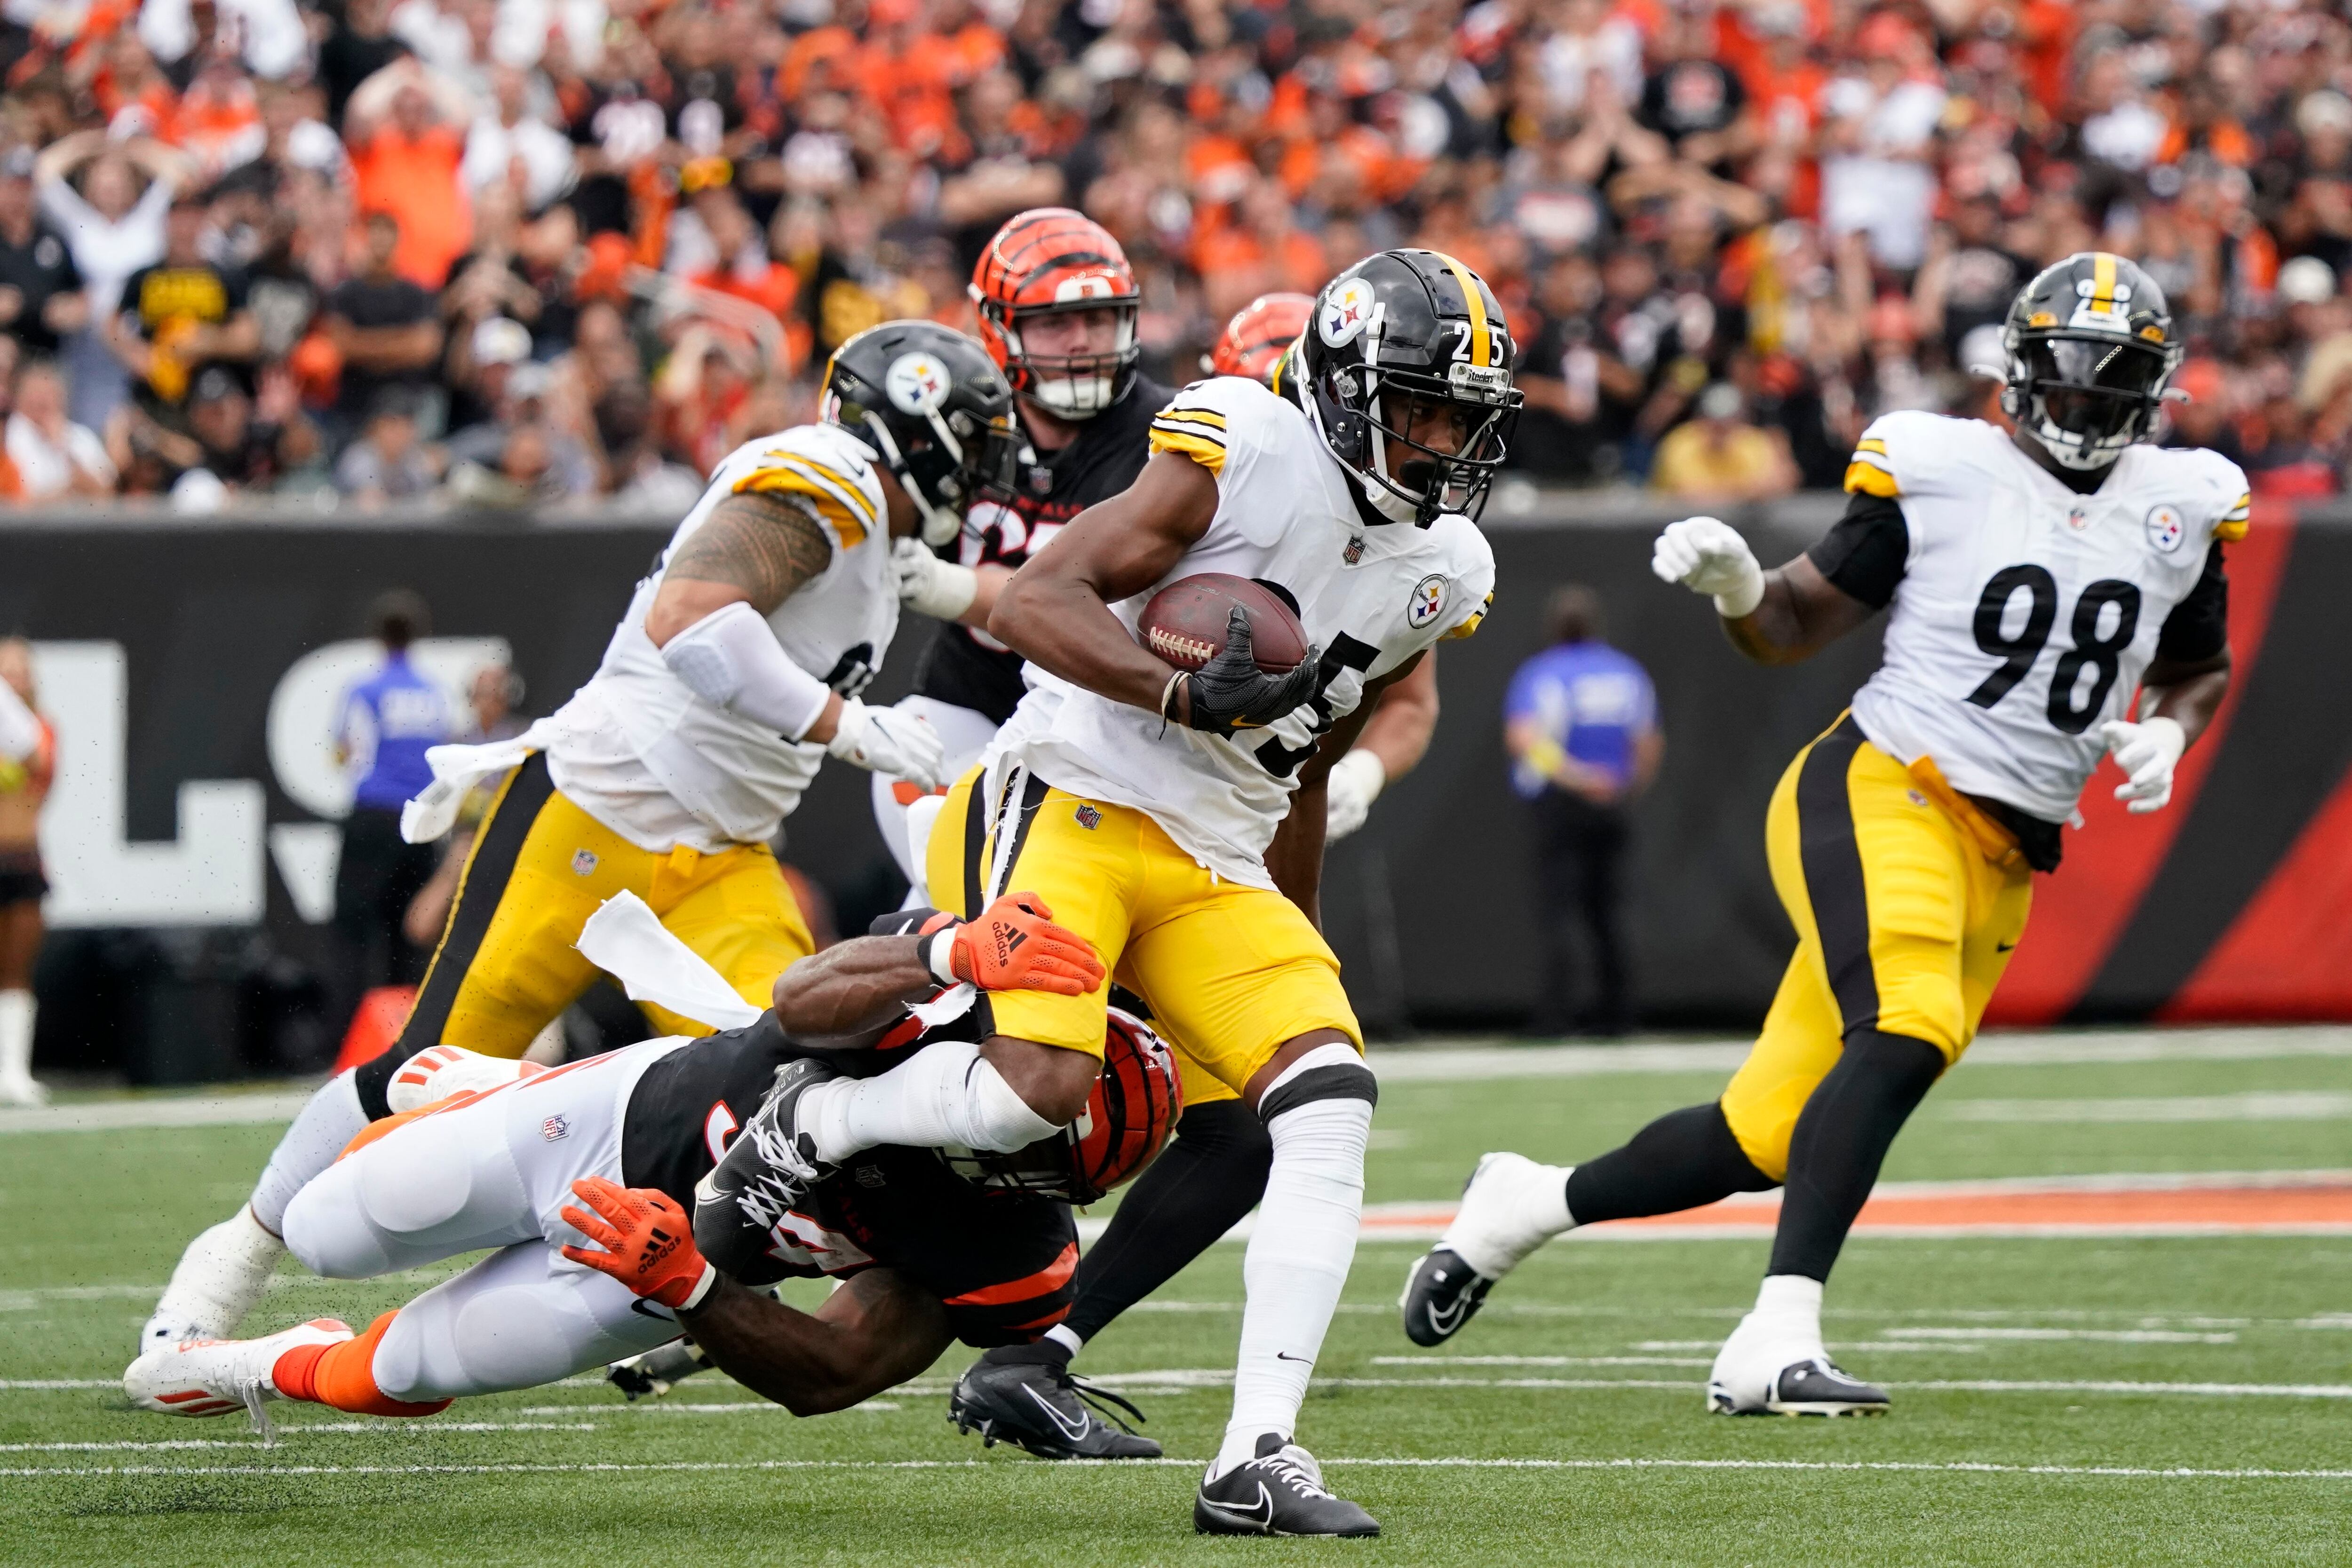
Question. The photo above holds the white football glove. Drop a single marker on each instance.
(885, 740)
(2146, 752)
(1707, 556)
(930, 586)
(1356, 781)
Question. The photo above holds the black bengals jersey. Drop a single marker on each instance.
(999, 1262)
(966, 666)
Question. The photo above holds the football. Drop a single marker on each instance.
(1185, 623)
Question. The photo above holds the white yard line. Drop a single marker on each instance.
(1016, 1467)
(179, 1111)
(2277, 1106)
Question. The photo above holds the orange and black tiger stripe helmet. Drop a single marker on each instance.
(1260, 333)
(1048, 261)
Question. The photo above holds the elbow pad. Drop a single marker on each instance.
(731, 660)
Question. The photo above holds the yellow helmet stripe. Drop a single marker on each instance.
(2102, 279)
(1482, 339)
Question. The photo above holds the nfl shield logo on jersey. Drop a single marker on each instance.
(2077, 518)
(1088, 817)
(1427, 603)
(584, 861)
(2164, 528)
(554, 1127)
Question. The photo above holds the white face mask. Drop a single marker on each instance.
(1073, 397)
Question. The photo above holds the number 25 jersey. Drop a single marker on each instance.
(2023, 613)
(1371, 597)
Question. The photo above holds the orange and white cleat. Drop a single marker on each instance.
(443, 1071)
(215, 1376)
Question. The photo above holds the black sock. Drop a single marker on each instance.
(1682, 1160)
(373, 1080)
(1041, 1352)
(1841, 1139)
(1211, 1173)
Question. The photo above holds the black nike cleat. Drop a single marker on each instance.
(766, 1173)
(1815, 1387)
(1441, 1294)
(1024, 1395)
(1280, 1492)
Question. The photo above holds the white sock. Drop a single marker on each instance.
(16, 1035)
(319, 1134)
(1298, 1257)
(947, 1095)
(1788, 1307)
(1062, 1335)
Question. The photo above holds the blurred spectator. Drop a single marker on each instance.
(1580, 723)
(386, 329)
(385, 726)
(111, 227)
(1720, 459)
(28, 759)
(387, 463)
(181, 314)
(493, 700)
(41, 297)
(405, 129)
(52, 455)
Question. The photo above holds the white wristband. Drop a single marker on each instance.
(730, 659)
(701, 1288)
(939, 954)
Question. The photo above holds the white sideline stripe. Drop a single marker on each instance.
(379, 1427)
(1551, 1360)
(1469, 1063)
(2109, 1337)
(1013, 1467)
(184, 1111)
(2293, 1106)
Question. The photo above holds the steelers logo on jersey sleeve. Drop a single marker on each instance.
(2166, 528)
(1428, 602)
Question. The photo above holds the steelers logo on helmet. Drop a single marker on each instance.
(918, 384)
(2091, 346)
(1345, 312)
(1407, 379)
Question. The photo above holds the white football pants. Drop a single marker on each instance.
(494, 1173)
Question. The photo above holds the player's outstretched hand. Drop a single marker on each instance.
(1230, 693)
(1707, 556)
(885, 740)
(1354, 783)
(1014, 946)
(2146, 752)
(647, 1242)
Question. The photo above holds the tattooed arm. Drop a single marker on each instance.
(755, 548)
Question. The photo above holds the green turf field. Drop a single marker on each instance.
(1565, 1425)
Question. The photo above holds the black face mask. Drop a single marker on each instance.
(2092, 388)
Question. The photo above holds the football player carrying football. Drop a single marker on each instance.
(734, 674)
(1213, 1171)
(583, 1178)
(1175, 818)
(2044, 585)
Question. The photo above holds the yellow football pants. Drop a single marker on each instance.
(1904, 926)
(1230, 973)
(538, 868)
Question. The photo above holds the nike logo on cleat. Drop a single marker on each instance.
(1259, 1516)
(1061, 1422)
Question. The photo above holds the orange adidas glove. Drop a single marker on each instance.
(648, 1243)
(1014, 946)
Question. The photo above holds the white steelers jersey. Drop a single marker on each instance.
(2026, 613)
(1371, 598)
(637, 750)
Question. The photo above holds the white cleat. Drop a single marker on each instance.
(21, 1089)
(1763, 1370)
(434, 1074)
(215, 1376)
(1511, 1206)
(219, 1278)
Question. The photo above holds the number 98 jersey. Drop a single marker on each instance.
(2023, 613)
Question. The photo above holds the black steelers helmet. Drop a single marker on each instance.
(2090, 347)
(1400, 337)
(936, 411)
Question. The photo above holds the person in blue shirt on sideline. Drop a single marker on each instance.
(381, 731)
(1581, 721)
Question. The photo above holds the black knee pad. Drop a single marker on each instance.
(1341, 1080)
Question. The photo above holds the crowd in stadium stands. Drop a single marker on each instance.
(502, 252)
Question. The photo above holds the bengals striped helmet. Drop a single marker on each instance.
(1047, 262)
(1128, 1116)
(1255, 341)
